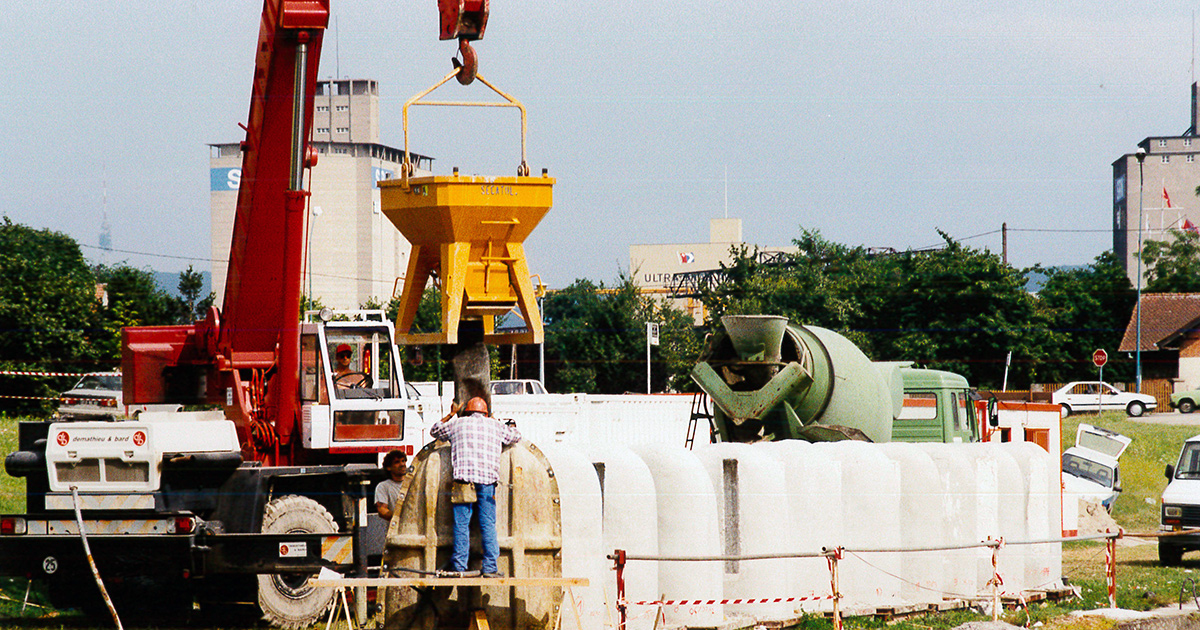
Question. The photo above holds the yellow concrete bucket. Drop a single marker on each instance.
(470, 230)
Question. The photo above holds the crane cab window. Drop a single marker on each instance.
(312, 377)
(360, 365)
(360, 372)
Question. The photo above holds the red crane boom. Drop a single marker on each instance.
(247, 357)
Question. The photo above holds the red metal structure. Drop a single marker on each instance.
(247, 357)
(194, 509)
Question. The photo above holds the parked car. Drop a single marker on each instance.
(1098, 396)
(1186, 401)
(1181, 504)
(97, 396)
(1090, 468)
(517, 386)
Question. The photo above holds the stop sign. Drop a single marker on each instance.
(1100, 357)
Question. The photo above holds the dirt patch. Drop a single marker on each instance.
(1094, 519)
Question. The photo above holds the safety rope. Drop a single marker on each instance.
(32, 373)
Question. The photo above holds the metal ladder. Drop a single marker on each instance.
(700, 409)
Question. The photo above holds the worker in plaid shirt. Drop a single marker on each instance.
(476, 440)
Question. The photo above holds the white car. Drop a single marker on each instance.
(97, 396)
(517, 386)
(1098, 396)
(1090, 469)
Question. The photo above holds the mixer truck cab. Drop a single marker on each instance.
(937, 408)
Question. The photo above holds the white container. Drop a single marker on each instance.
(587, 419)
(582, 552)
(754, 519)
(956, 469)
(871, 520)
(922, 498)
(630, 520)
(687, 527)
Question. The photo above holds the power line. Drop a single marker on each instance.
(211, 260)
(129, 251)
(1011, 229)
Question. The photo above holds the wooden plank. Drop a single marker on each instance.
(448, 581)
(479, 621)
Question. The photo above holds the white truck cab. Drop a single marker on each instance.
(1181, 504)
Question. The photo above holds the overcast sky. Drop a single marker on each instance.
(876, 123)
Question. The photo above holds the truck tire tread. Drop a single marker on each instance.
(287, 601)
(1169, 555)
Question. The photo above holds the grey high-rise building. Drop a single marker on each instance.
(1159, 197)
(355, 253)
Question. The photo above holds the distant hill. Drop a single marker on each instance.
(169, 281)
(1034, 282)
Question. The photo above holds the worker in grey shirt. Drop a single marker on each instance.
(387, 494)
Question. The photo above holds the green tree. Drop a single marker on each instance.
(799, 285)
(953, 308)
(1086, 309)
(424, 363)
(596, 340)
(1173, 267)
(134, 299)
(47, 296)
(191, 283)
(957, 309)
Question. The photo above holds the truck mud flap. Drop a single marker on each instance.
(274, 553)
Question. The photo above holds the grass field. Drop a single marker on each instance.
(1141, 583)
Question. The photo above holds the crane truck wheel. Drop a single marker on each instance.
(286, 600)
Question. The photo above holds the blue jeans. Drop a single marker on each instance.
(485, 507)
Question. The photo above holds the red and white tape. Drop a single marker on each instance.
(32, 397)
(26, 373)
(710, 602)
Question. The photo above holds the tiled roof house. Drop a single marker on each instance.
(1170, 337)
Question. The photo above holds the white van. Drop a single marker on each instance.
(1090, 469)
(1181, 504)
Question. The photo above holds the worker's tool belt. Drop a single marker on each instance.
(462, 492)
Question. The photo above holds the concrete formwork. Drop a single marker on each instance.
(564, 510)
(922, 524)
(956, 471)
(630, 522)
(583, 547)
(871, 520)
(754, 518)
(687, 526)
(813, 487)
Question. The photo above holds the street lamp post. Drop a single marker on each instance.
(1141, 157)
(316, 212)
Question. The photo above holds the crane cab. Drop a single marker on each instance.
(354, 397)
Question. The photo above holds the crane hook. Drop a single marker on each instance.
(469, 64)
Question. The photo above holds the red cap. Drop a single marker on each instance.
(345, 347)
